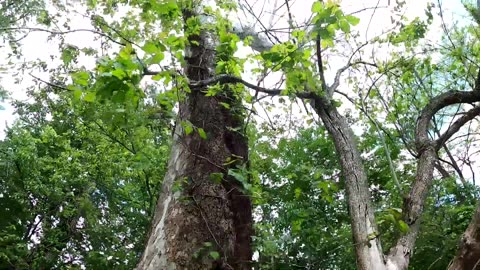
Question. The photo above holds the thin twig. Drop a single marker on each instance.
(36, 29)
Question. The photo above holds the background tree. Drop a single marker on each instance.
(78, 187)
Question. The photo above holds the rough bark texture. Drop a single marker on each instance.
(468, 256)
(193, 209)
(399, 255)
(367, 247)
(182, 224)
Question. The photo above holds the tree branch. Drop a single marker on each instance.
(457, 125)
(320, 66)
(437, 103)
(427, 149)
(36, 29)
(336, 81)
(226, 78)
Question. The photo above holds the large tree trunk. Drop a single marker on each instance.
(201, 209)
(468, 255)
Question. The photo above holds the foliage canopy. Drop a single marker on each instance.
(81, 167)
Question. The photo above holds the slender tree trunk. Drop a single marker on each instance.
(413, 204)
(202, 212)
(468, 255)
(367, 247)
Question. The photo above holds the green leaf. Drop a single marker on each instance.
(157, 58)
(77, 94)
(69, 54)
(216, 177)
(352, 20)
(298, 192)
(372, 236)
(150, 47)
(215, 255)
(188, 130)
(89, 97)
(225, 105)
(237, 175)
(44, 18)
(126, 52)
(92, 3)
(317, 7)
(80, 78)
(344, 26)
(119, 73)
(202, 133)
(158, 76)
(188, 127)
(327, 42)
(403, 226)
(229, 161)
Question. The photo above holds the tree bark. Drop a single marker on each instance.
(202, 211)
(468, 255)
(365, 234)
(367, 245)
(427, 150)
(399, 255)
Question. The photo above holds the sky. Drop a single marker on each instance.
(37, 45)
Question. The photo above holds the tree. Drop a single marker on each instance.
(368, 248)
(208, 135)
(76, 185)
(203, 218)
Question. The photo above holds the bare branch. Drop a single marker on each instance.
(367, 8)
(321, 72)
(36, 29)
(437, 103)
(49, 83)
(442, 170)
(336, 81)
(452, 162)
(457, 125)
(444, 26)
(224, 78)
